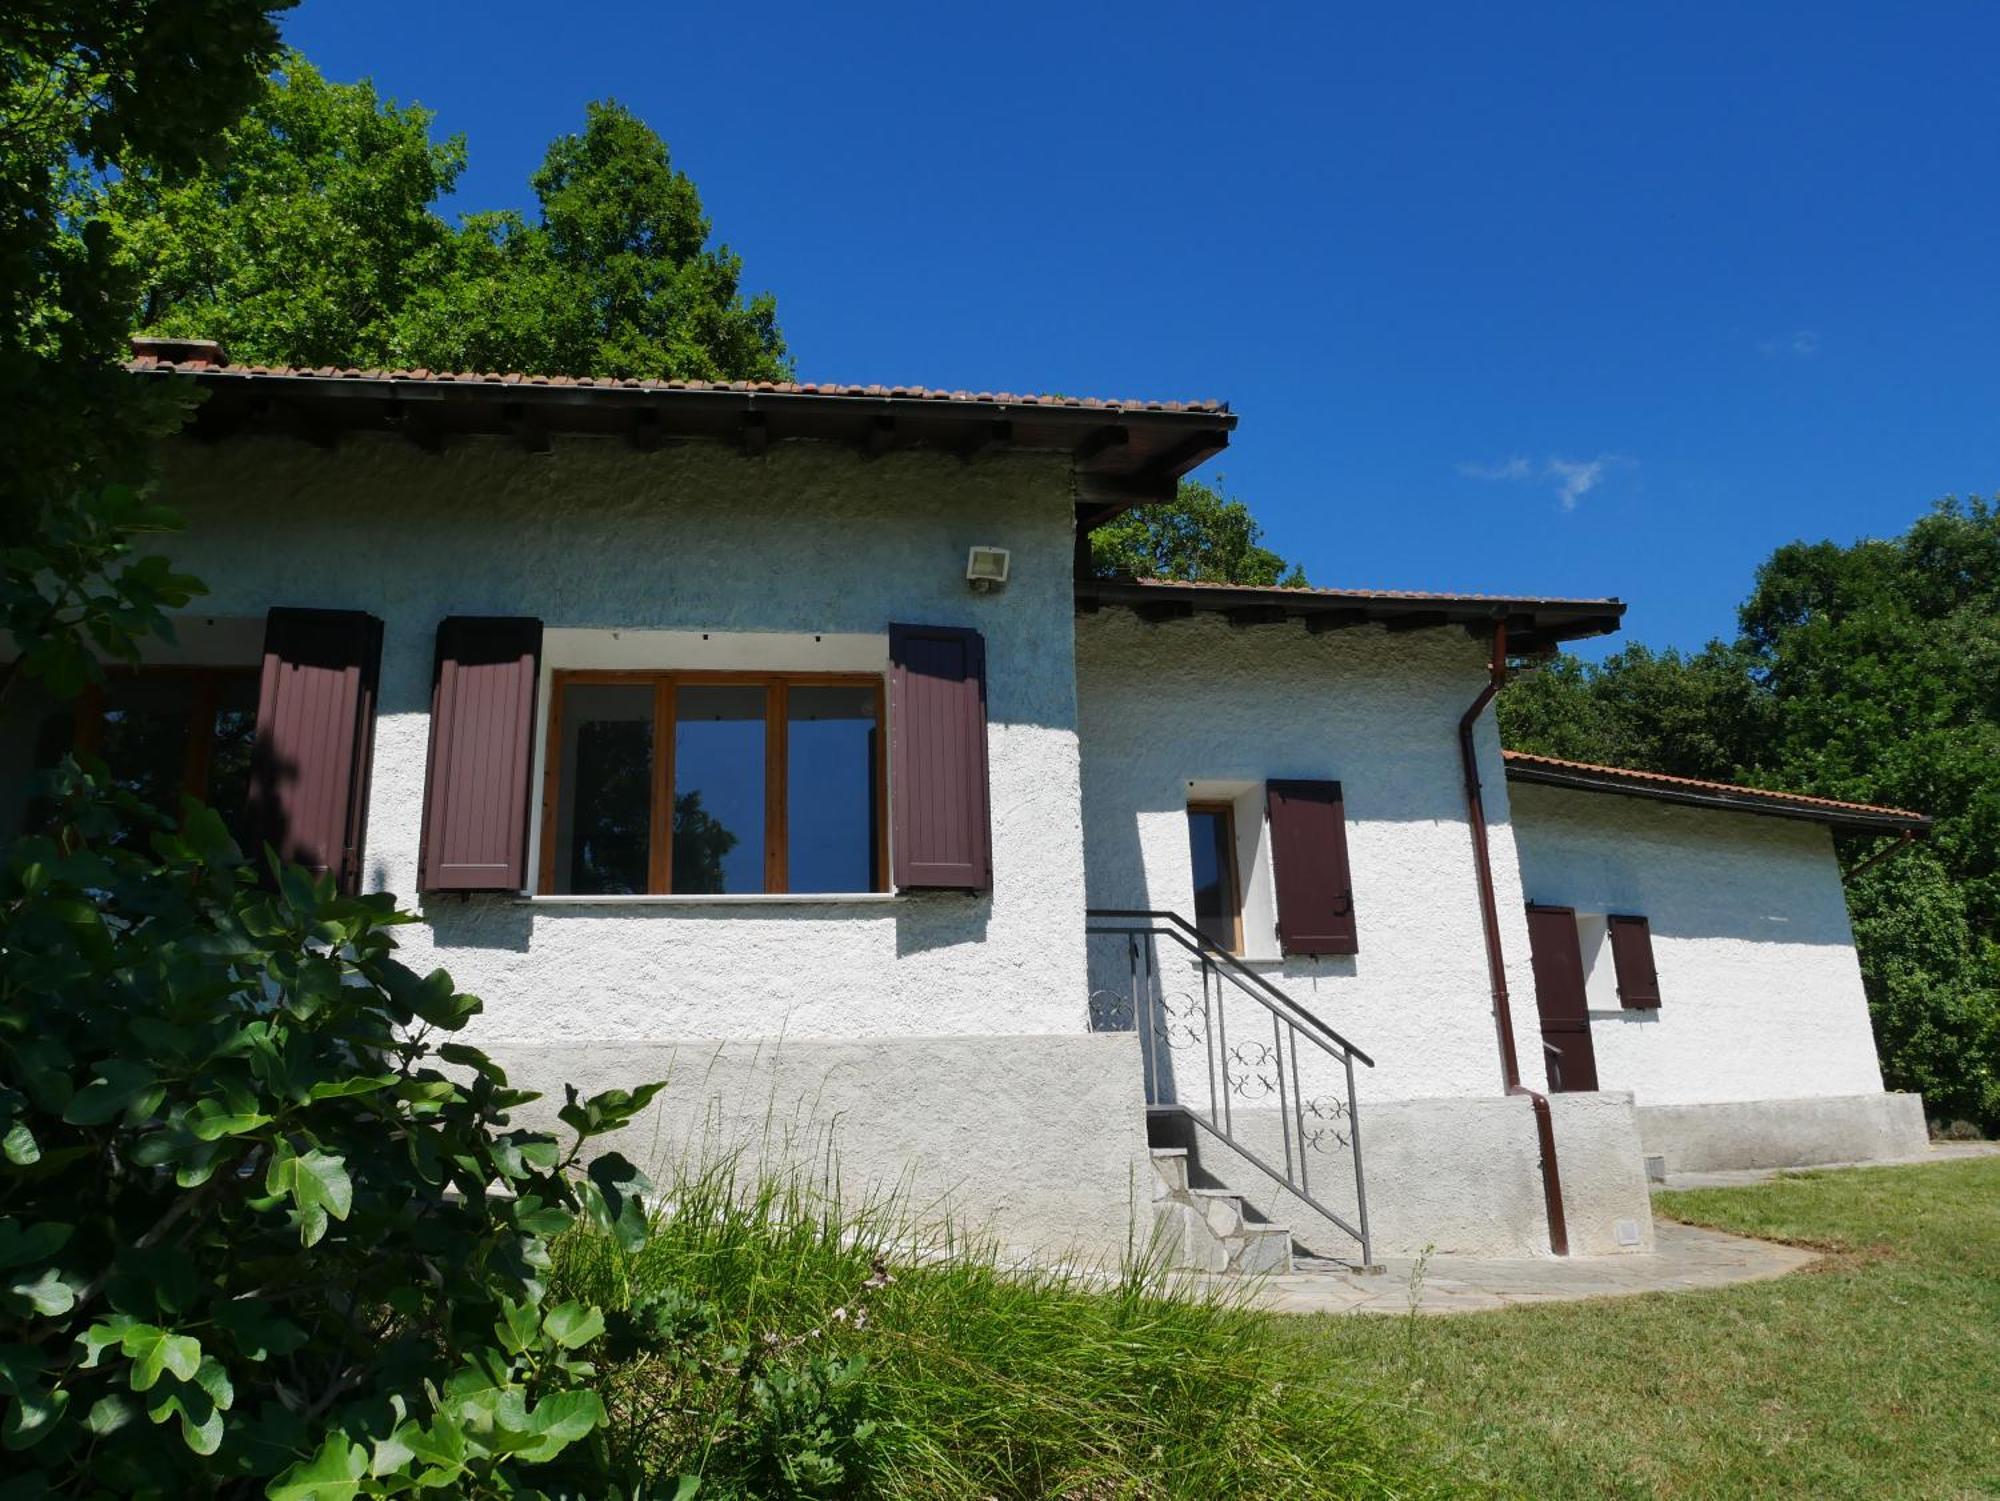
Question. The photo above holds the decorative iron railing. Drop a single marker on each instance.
(1221, 1044)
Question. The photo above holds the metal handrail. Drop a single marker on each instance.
(1240, 971)
(1289, 1022)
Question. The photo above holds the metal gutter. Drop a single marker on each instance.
(1496, 965)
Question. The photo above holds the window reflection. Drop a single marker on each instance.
(604, 818)
(831, 753)
(1211, 850)
(719, 738)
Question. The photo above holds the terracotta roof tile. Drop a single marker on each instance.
(148, 363)
(1734, 789)
(1424, 595)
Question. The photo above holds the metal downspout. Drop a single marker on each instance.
(1489, 915)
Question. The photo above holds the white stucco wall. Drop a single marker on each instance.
(1760, 990)
(799, 559)
(1196, 707)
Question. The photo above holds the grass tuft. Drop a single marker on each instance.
(915, 1364)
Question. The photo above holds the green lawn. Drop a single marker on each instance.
(784, 1362)
(1875, 1373)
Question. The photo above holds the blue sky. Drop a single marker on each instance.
(1557, 299)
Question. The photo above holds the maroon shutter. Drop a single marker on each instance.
(941, 835)
(1632, 957)
(315, 727)
(1309, 865)
(482, 747)
(1559, 996)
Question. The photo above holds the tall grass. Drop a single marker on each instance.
(793, 1346)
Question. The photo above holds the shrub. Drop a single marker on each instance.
(253, 1236)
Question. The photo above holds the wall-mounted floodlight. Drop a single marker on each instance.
(986, 568)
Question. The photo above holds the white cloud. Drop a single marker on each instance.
(1514, 468)
(1572, 478)
(1576, 478)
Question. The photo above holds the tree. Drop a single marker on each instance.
(85, 87)
(1201, 536)
(301, 242)
(314, 239)
(1870, 673)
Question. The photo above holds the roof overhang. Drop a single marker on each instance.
(1533, 625)
(1124, 453)
(1859, 818)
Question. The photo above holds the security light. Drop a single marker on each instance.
(986, 568)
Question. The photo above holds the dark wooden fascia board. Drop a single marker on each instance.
(1701, 797)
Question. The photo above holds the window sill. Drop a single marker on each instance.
(738, 899)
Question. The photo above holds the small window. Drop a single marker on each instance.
(1218, 901)
(774, 784)
(164, 732)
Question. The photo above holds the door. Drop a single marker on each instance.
(1558, 961)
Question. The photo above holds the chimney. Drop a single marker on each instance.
(191, 354)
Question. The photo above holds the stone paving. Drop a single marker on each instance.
(1683, 1258)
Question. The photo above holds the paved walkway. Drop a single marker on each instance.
(1683, 1257)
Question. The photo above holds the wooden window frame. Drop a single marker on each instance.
(1226, 811)
(777, 779)
(87, 736)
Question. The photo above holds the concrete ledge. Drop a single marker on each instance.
(1784, 1133)
(1459, 1176)
(1037, 1141)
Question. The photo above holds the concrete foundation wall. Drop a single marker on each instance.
(1455, 1175)
(1036, 1141)
(1785, 1133)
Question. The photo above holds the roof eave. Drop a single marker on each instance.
(1533, 625)
(1765, 805)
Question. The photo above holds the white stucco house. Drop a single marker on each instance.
(771, 739)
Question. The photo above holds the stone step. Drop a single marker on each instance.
(1170, 1171)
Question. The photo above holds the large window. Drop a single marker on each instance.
(161, 731)
(696, 784)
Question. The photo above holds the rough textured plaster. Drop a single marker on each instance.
(1785, 1133)
(1036, 1141)
(1457, 1175)
(1761, 995)
(1196, 700)
(811, 538)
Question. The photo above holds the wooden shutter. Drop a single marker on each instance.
(315, 727)
(1309, 865)
(1632, 957)
(1559, 996)
(940, 827)
(482, 748)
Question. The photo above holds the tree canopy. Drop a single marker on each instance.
(314, 238)
(1201, 536)
(1871, 673)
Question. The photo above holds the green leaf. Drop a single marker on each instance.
(32, 1417)
(335, 1473)
(258, 1332)
(46, 1293)
(572, 1325)
(517, 1328)
(120, 1085)
(318, 1185)
(111, 1412)
(559, 1420)
(20, 1146)
(340, 1089)
(153, 1351)
(21, 1244)
(215, 1127)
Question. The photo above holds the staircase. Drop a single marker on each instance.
(1238, 1077)
(1210, 1229)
